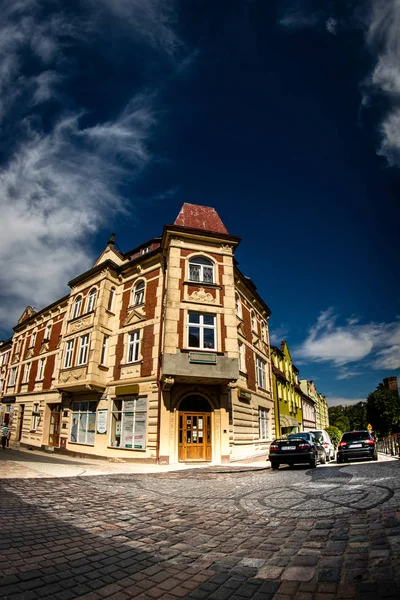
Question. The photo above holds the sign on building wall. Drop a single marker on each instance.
(102, 418)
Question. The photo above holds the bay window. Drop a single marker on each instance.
(68, 354)
(201, 331)
(201, 269)
(91, 301)
(83, 349)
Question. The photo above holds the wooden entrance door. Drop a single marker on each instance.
(194, 436)
(54, 431)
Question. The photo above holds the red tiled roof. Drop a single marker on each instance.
(194, 216)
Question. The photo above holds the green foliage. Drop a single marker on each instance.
(383, 411)
(348, 418)
(335, 434)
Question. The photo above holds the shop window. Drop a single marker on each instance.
(263, 420)
(128, 425)
(201, 331)
(201, 270)
(83, 424)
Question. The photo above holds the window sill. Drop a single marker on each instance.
(127, 449)
(81, 444)
(136, 305)
(204, 284)
(73, 367)
(204, 350)
(110, 312)
(39, 380)
(129, 364)
(103, 367)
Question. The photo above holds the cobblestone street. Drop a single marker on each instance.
(332, 532)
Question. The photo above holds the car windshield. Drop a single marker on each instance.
(301, 435)
(355, 435)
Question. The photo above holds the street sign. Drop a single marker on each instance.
(369, 427)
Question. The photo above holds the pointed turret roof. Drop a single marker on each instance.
(195, 216)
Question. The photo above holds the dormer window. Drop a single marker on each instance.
(91, 300)
(201, 270)
(76, 311)
(138, 294)
(145, 250)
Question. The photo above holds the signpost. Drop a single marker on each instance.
(369, 427)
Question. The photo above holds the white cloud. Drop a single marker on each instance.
(344, 401)
(345, 374)
(62, 179)
(277, 334)
(343, 344)
(331, 25)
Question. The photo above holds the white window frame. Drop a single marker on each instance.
(263, 423)
(83, 350)
(41, 367)
(27, 370)
(33, 340)
(47, 332)
(253, 321)
(77, 307)
(13, 376)
(133, 346)
(200, 268)
(261, 373)
(35, 417)
(104, 349)
(69, 351)
(202, 327)
(91, 300)
(138, 293)
(111, 299)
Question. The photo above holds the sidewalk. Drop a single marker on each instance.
(21, 463)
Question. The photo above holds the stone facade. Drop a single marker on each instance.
(160, 354)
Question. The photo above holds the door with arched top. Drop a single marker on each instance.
(194, 421)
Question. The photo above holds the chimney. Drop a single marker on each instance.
(391, 384)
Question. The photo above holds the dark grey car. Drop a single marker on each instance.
(297, 448)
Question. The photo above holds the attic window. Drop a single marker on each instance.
(145, 250)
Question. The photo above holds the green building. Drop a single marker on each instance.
(287, 392)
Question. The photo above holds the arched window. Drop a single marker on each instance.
(253, 321)
(91, 301)
(238, 306)
(47, 332)
(138, 294)
(201, 269)
(76, 311)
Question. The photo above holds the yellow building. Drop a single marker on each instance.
(287, 392)
(159, 354)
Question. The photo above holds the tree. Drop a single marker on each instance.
(335, 434)
(357, 415)
(383, 411)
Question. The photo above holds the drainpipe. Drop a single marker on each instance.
(164, 268)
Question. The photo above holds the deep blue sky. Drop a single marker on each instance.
(252, 107)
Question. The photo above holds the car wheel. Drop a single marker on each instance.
(323, 459)
(339, 460)
(313, 463)
(275, 466)
(375, 457)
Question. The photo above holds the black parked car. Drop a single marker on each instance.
(296, 448)
(356, 444)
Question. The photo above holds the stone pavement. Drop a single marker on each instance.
(305, 534)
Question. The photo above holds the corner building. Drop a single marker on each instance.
(160, 354)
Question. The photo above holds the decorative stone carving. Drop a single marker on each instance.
(77, 325)
(139, 269)
(44, 348)
(241, 329)
(226, 248)
(168, 382)
(72, 375)
(202, 296)
(135, 315)
(231, 385)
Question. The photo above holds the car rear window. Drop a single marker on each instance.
(304, 436)
(356, 435)
(319, 435)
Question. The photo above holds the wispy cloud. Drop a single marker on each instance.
(64, 176)
(301, 14)
(345, 374)
(330, 342)
(344, 401)
(277, 334)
